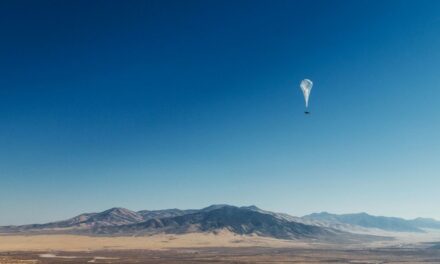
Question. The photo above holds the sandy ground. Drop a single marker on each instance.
(206, 248)
(222, 239)
(156, 242)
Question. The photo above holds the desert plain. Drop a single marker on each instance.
(219, 247)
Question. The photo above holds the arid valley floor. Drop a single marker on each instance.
(207, 248)
(230, 255)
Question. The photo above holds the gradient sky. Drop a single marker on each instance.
(163, 104)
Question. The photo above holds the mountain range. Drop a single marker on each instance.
(246, 220)
(365, 220)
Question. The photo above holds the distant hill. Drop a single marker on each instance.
(369, 221)
(426, 223)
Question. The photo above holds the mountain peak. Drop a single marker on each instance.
(216, 206)
(117, 210)
(252, 207)
(115, 216)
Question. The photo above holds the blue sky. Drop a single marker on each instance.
(160, 104)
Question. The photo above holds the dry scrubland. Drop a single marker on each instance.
(222, 247)
(156, 242)
(228, 256)
(193, 240)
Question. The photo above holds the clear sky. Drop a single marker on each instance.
(163, 104)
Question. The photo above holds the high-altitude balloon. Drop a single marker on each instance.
(306, 88)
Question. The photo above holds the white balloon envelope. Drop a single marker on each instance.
(306, 87)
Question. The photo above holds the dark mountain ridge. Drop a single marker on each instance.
(239, 220)
(246, 220)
